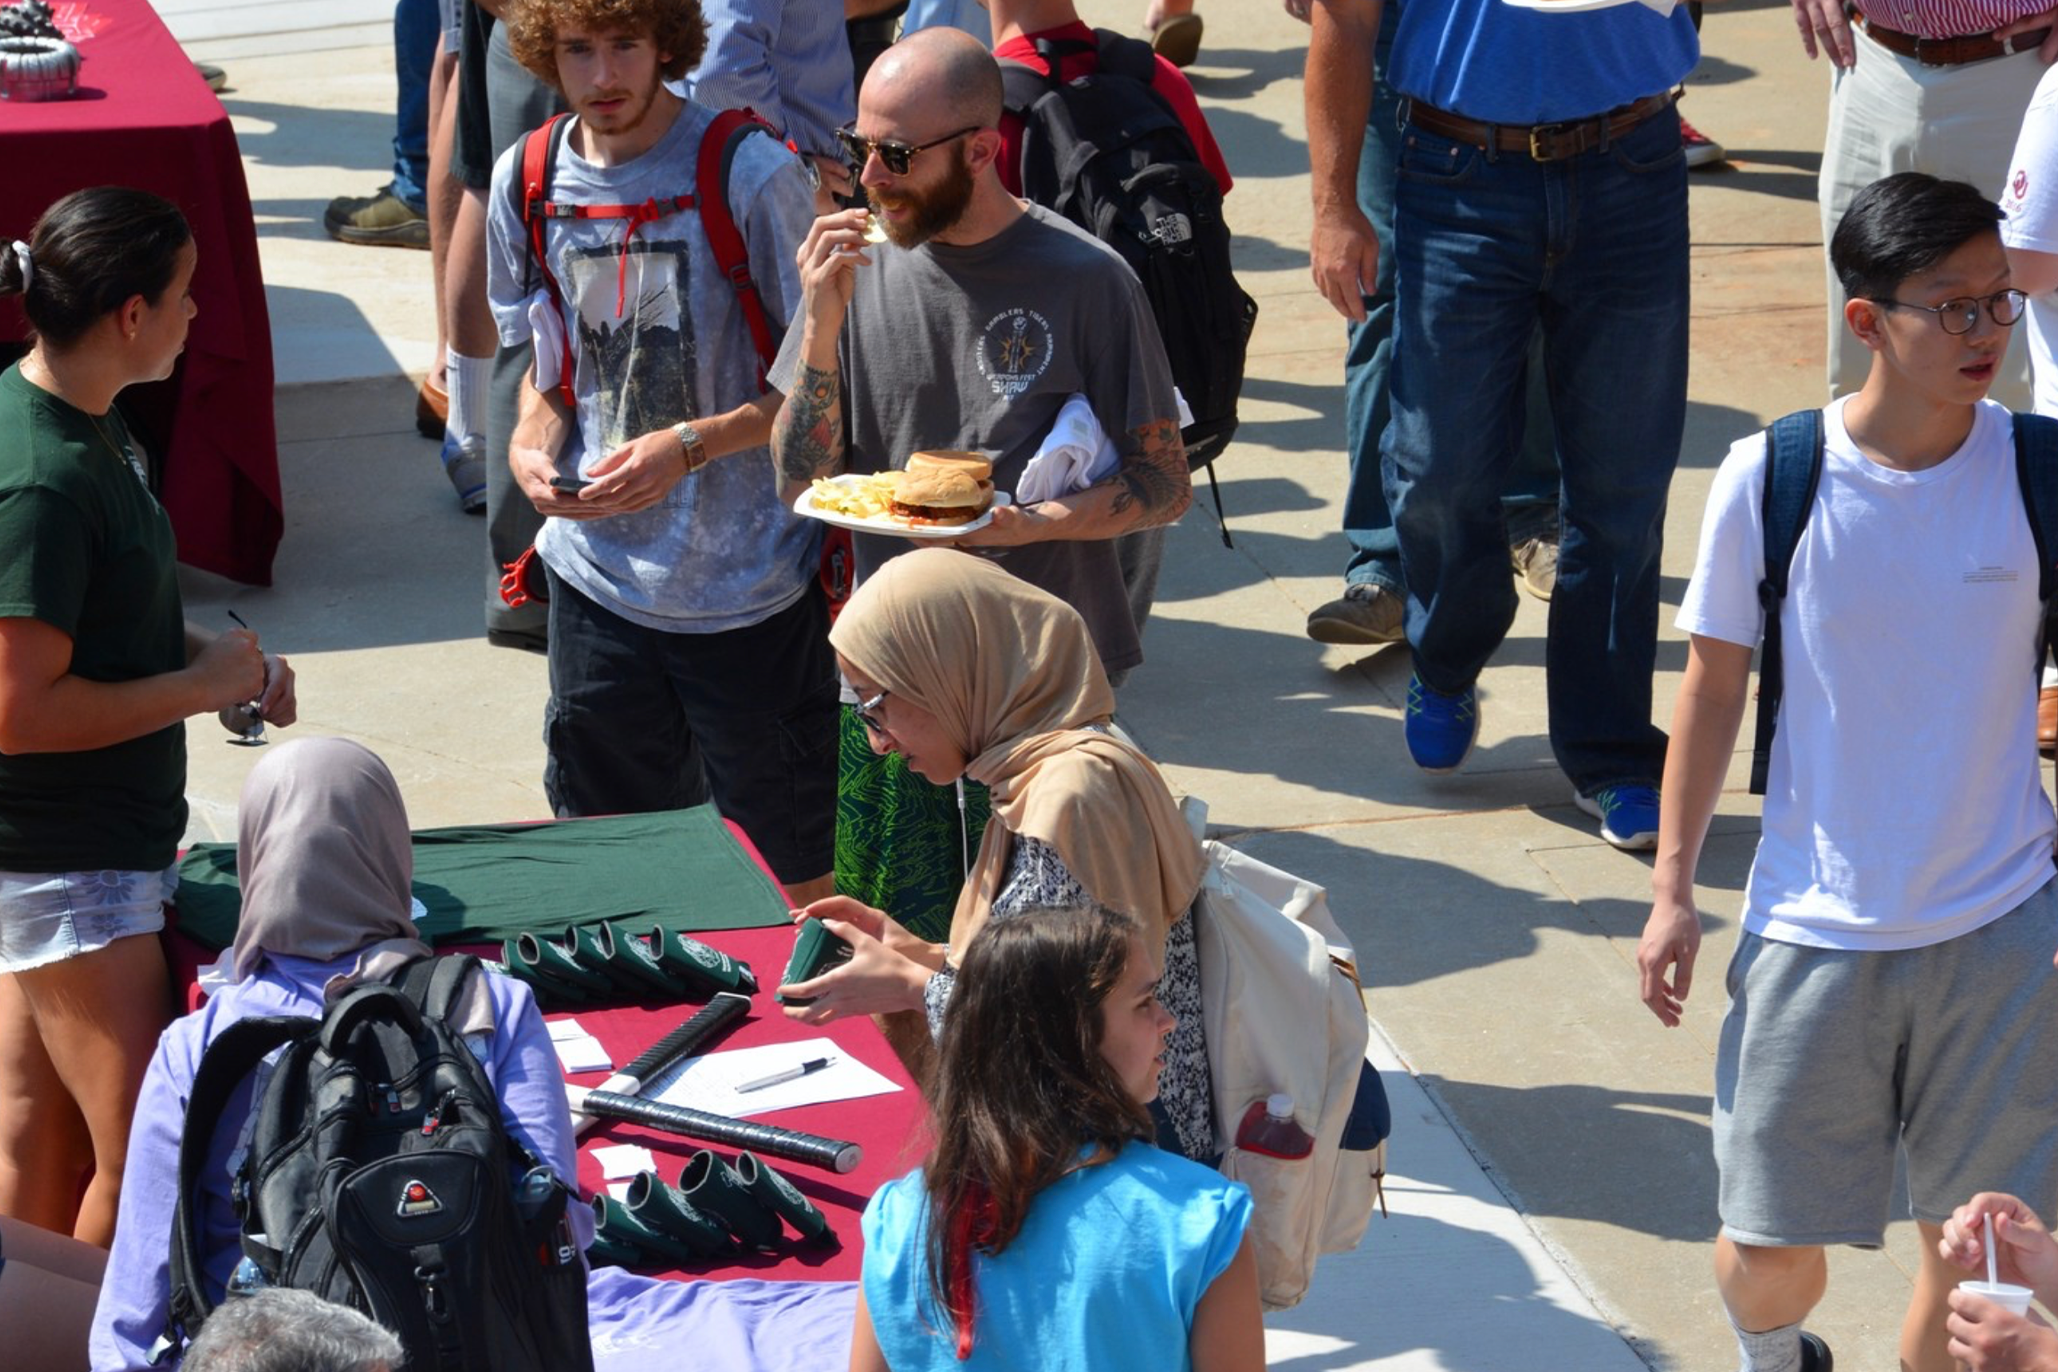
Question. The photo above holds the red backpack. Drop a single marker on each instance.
(711, 168)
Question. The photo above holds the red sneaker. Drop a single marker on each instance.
(1701, 150)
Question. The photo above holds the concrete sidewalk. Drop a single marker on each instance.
(1553, 1191)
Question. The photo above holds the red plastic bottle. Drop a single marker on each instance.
(1268, 1127)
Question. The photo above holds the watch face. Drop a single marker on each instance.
(812, 172)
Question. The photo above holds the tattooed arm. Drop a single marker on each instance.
(807, 434)
(1152, 486)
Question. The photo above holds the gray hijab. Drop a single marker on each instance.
(325, 862)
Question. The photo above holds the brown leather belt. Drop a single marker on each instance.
(1540, 142)
(1946, 52)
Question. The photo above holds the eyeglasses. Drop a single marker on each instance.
(895, 154)
(867, 718)
(1960, 316)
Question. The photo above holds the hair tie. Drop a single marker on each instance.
(28, 264)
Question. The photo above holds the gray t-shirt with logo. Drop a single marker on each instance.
(659, 336)
(978, 348)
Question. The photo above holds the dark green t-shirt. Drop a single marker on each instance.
(87, 549)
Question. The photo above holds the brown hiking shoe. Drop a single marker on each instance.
(381, 221)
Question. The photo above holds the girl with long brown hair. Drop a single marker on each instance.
(1045, 1231)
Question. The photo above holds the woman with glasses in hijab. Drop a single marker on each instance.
(967, 671)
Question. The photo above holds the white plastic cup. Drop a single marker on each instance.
(2005, 1294)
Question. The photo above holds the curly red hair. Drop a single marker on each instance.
(676, 27)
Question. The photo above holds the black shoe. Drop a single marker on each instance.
(1815, 1355)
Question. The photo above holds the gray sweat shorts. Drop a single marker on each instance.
(1831, 1062)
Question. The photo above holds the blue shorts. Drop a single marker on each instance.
(47, 917)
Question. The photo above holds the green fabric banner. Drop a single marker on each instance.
(486, 883)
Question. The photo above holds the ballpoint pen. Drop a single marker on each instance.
(790, 1074)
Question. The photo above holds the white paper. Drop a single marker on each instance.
(709, 1082)
(624, 1160)
(563, 1029)
(620, 1190)
(583, 1054)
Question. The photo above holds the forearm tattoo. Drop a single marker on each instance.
(1155, 480)
(808, 436)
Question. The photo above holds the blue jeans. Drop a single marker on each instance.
(1530, 500)
(1593, 249)
(417, 24)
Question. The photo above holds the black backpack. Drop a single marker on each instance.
(1106, 152)
(1793, 469)
(379, 1175)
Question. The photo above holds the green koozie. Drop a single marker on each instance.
(655, 1205)
(619, 1226)
(555, 963)
(706, 970)
(623, 960)
(713, 1185)
(608, 1251)
(550, 991)
(815, 951)
(781, 1197)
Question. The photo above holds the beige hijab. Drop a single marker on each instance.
(326, 864)
(1011, 675)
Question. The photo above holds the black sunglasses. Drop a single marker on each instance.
(895, 154)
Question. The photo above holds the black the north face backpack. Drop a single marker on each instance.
(1107, 153)
(379, 1175)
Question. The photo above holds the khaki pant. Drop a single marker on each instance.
(1890, 114)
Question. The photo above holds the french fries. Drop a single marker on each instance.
(856, 497)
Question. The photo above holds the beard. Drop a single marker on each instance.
(933, 211)
(626, 119)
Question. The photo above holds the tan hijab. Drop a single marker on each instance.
(326, 865)
(1011, 675)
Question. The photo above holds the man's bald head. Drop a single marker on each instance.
(943, 69)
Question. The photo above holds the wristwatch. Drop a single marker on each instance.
(690, 444)
(812, 172)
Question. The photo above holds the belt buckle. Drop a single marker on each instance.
(1538, 133)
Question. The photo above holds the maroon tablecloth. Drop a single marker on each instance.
(144, 118)
(888, 1126)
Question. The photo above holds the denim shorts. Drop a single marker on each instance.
(47, 917)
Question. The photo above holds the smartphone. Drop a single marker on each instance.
(570, 485)
(815, 951)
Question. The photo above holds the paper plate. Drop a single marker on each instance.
(886, 523)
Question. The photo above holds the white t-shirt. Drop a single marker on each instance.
(2030, 200)
(1904, 805)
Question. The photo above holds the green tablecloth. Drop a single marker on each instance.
(485, 883)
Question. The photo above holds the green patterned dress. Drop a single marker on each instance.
(899, 844)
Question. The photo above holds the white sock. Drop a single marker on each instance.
(2050, 676)
(467, 383)
(1775, 1350)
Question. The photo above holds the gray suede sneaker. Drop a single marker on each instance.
(1366, 613)
(1536, 565)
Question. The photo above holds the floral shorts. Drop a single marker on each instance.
(47, 917)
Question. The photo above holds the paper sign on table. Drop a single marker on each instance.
(624, 1160)
(583, 1054)
(709, 1082)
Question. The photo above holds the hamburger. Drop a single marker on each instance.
(943, 488)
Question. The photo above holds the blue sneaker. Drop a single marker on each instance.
(1441, 729)
(1628, 814)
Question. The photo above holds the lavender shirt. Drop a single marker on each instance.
(135, 1291)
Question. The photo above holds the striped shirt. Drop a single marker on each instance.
(1948, 18)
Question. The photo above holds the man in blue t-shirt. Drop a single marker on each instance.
(1542, 184)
